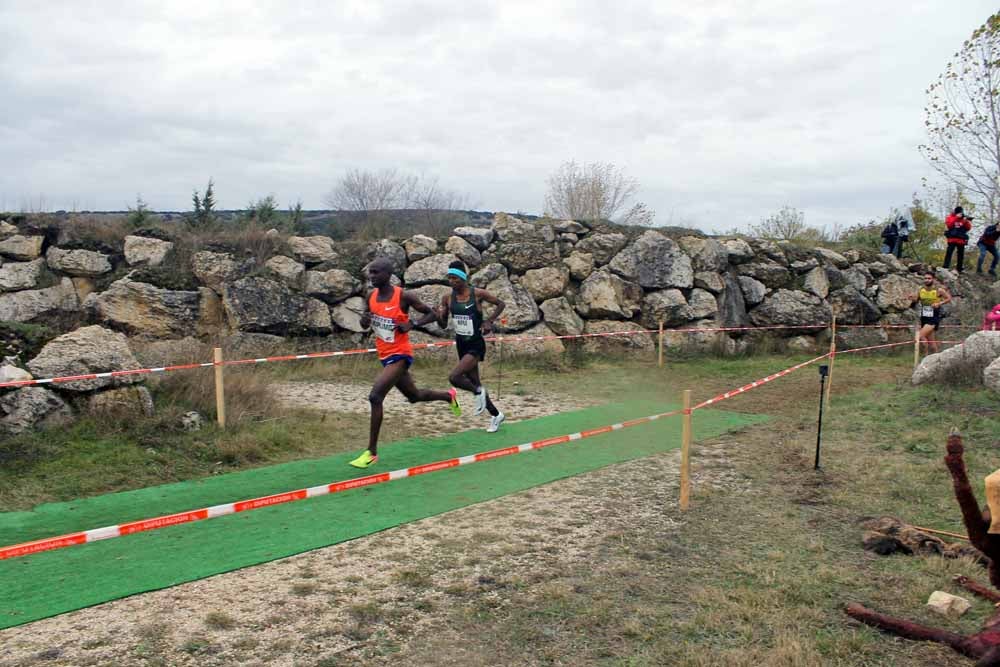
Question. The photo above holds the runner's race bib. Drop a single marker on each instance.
(464, 325)
(384, 328)
(926, 311)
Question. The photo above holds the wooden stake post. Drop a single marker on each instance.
(220, 391)
(686, 452)
(659, 344)
(833, 356)
(916, 346)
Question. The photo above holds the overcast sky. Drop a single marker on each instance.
(724, 111)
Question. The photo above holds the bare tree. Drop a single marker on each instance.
(594, 192)
(788, 224)
(362, 190)
(962, 117)
(436, 207)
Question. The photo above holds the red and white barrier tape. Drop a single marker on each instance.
(757, 383)
(108, 532)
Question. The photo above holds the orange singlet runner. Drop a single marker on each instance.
(390, 343)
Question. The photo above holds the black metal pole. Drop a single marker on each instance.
(819, 425)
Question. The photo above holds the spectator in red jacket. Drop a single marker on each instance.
(992, 320)
(957, 228)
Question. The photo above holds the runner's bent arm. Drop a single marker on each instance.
(500, 305)
(943, 297)
(411, 300)
(366, 316)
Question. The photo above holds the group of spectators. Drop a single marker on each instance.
(957, 228)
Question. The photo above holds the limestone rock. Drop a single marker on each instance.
(464, 250)
(703, 305)
(706, 254)
(817, 283)
(27, 305)
(312, 249)
(580, 264)
(852, 307)
(285, 269)
(610, 344)
(771, 274)
(123, 402)
(389, 250)
(655, 262)
(668, 306)
(561, 318)
(545, 283)
(738, 251)
(479, 237)
(522, 256)
(753, 290)
(9, 373)
(433, 269)
(420, 247)
(732, 305)
(533, 348)
(22, 248)
(487, 274)
(804, 265)
(521, 311)
(831, 257)
(895, 293)
(606, 296)
(857, 276)
(602, 247)
(709, 280)
(92, 349)
(347, 314)
(213, 269)
(16, 276)
(947, 604)
(30, 408)
(507, 228)
(86, 263)
(142, 308)
(571, 227)
(267, 306)
(849, 339)
(801, 344)
(991, 376)
(145, 250)
(792, 309)
(979, 351)
(330, 286)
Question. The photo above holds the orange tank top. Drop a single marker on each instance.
(385, 316)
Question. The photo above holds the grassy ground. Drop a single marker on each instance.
(756, 573)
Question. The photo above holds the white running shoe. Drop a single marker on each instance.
(480, 402)
(495, 423)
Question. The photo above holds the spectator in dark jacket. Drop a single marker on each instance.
(988, 244)
(957, 228)
(890, 236)
(904, 235)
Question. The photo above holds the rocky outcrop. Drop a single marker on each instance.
(605, 295)
(521, 311)
(546, 283)
(654, 262)
(141, 308)
(312, 249)
(420, 247)
(961, 362)
(22, 248)
(285, 269)
(87, 350)
(433, 269)
(32, 408)
(15, 276)
(464, 250)
(479, 237)
(213, 269)
(86, 263)
(28, 305)
(330, 286)
(147, 251)
(785, 308)
(561, 317)
(602, 247)
(266, 306)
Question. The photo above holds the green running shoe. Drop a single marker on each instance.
(456, 409)
(366, 459)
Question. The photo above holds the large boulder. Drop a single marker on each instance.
(703, 304)
(431, 295)
(580, 264)
(520, 256)
(145, 309)
(87, 350)
(507, 228)
(22, 248)
(895, 293)
(312, 249)
(487, 274)
(285, 269)
(606, 296)
(420, 247)
(389, 250)
(561, 318)
(817, 282)
(331, 286)
(602, 247)
(857, 277)
(849, 339)
(433, 269)
(127, 402)
(347, 314)
(667, 306)
(792, 309)
(753, 290)
(16, 276)
(571, 227)
(213, 269)
(655, 262)
(611, 337)
(831, 257)
(145, 250)
(738, 251)
(479, 237)
(978, 352)
(852, 307)
(546, 283)
(32, 408)
(87, 263)
(991, 375)
(709, 280)
(464, 250)
(267, 306)
(706, 254)
(521, 311)
(772, 274)
(28, 305)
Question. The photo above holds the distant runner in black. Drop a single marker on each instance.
(464, 306)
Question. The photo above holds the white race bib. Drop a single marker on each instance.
(464, 325)
(384, 328)
(926, 311)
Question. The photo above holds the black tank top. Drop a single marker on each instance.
(467, 316)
